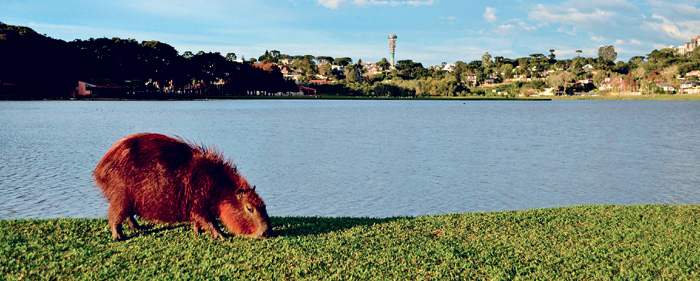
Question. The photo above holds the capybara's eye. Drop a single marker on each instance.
(250, 209)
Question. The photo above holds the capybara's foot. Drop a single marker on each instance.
(202, 221)
(117, 234)
(118, 237)
(216, 234)
(196, 228)
(133, 224)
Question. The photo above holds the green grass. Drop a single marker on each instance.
(647, 242)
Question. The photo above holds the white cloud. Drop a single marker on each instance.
(680, 30)
(490, 14)
(335, 4)
(673, 20)
(677, 11)
(587, 15)
(411, 3)
(514, 29)
(596, 19)
(572, 16)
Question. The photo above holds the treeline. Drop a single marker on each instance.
(37, 66)
(491, 76)
(530, 75)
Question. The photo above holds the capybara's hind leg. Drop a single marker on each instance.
(117, 215)
(206, 223)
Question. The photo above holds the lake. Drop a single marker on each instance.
(375, 158)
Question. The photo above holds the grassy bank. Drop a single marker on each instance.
(583, 242)
(625, 97)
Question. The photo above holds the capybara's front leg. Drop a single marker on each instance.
(132, 223)
(196, 227)
(206, 223)
(116, 217)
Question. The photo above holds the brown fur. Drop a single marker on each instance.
(168, 180)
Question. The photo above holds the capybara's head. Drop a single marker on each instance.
(247, 216)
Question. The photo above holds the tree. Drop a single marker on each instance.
(657, 56)
(480, 76)
(275, 56)
(325, 69)
(561, 79)
(578, 53)
(636, 59)
(599, 76)
(352, 75)
(460, 71)
(231, 56)
(695, 54)
(322, 59)
(408, 69)
(384, 64)
(507, 70)
(607, 53)
(539, 63)
(486, 60)
(307, 66)
(270, 56)
(552, 56)
(669, 73)
(342, 61)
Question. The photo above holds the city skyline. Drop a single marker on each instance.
(432, 31)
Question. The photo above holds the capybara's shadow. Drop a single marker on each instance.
(304, 226)
(150, 229)
(282, 226)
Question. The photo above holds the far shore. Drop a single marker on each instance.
(611, 96)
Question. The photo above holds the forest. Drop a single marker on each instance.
(36, 66)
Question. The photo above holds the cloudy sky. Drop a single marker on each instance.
(429, 31)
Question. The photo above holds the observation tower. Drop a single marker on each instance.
(392, 47)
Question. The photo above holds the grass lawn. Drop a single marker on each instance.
(643, 242)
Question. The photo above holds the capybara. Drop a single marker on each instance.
(168, 180)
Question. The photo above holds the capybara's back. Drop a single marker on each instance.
(164, 179)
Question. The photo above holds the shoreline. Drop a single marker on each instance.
(677, 97)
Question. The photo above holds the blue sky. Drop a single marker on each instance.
(429, 31)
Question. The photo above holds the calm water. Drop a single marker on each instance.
(370, 158)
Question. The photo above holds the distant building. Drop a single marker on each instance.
(321, 81)
(695, 73)
(290, 73)
(449, 67)
(689, 47)
(85, 89)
